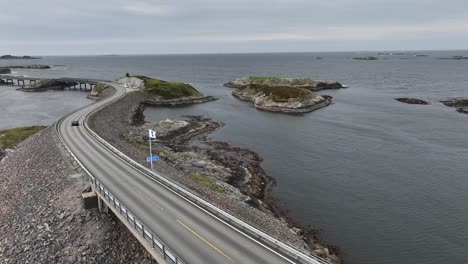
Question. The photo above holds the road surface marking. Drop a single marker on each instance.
(204, 240)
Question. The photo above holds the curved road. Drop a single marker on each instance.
(193, 234)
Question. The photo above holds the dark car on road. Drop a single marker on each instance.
(75, 123)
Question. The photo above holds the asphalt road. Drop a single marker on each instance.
(193, 234)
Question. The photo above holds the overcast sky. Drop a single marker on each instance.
(80, 27)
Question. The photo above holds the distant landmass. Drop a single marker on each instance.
(11, 57)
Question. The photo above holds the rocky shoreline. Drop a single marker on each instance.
(227, 176)
(180, 101)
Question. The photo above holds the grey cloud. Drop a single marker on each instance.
(145, 26)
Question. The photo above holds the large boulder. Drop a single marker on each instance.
(2, 153)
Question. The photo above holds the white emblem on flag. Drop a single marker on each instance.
(152, 134)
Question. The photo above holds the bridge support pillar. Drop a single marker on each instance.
(102, 206)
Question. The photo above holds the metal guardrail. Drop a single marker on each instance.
(285, 249)
(156, 243)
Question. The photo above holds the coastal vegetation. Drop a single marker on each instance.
(269, 80)
(282, 93)
(11, 137)
(207, 181)
(167, 90)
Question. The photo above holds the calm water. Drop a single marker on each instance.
(386, 181)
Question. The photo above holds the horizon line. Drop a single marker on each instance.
(237, 53)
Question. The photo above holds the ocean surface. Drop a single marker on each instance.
(387, 182)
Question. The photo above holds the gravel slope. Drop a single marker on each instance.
(41, 217)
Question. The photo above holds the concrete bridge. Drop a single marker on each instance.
(71, 83)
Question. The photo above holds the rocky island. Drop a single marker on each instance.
(30, 67)
(366, 58)
(158, 92)
(286, 95)
(5, 71)
(412, 101)
(306, 83)
(11, 57)
(461, 104)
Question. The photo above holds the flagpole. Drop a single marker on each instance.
(151, 153)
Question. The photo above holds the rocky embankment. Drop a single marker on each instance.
(412, 101)
(225, 175)
(41, 216)
(306, 83)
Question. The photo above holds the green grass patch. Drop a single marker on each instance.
(138, 143)
(99, 88)
(207, 181)
(167, 90)
(145, 145)
(272, 80)
(11, 137)
(283, 93)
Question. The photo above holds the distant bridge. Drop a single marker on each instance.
(73, 83)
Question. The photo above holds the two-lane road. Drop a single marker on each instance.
(195, 236)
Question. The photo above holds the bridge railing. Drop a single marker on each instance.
(156, 243)
(285, 249)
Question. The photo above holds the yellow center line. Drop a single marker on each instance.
(204, 240)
